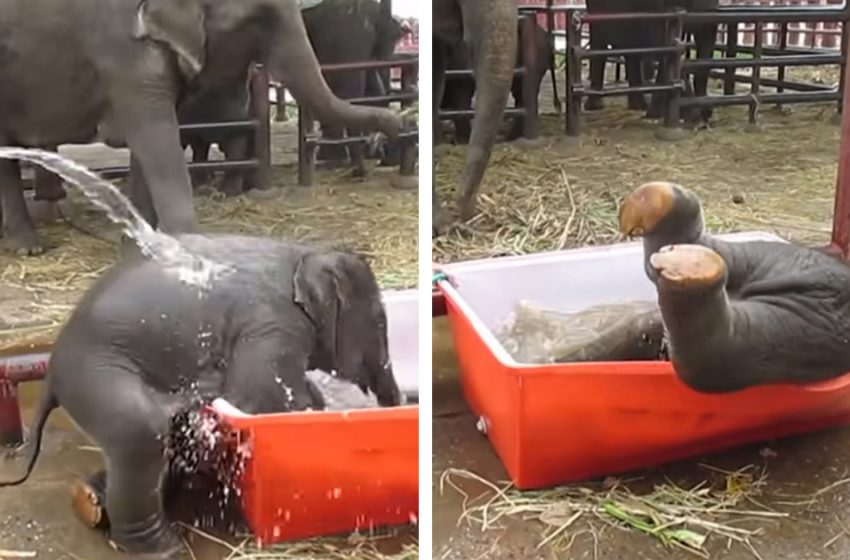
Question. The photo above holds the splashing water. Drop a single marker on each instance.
(192, 269)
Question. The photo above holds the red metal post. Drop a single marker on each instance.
(11, 426)
(841, 212)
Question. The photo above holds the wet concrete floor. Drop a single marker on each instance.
(797, 466)
(36, 516)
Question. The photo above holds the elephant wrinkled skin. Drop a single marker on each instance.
(116, 69)
(141, 347)
(489, 30)
(739, 314)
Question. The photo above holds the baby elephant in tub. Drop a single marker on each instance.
(142, 347)
(739, 314)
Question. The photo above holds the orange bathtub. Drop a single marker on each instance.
(559, 423)
(321, 473)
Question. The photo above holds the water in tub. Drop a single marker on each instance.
(534, 334)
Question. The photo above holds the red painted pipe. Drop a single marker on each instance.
(13, 370)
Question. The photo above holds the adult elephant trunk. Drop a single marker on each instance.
(491, 32)
(294, 63)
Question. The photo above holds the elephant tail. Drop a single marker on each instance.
(32, 446)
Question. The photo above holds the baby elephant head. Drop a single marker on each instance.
(340, 295)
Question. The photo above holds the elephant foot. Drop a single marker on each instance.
(161, 542)
(674, 134)
(405, 182)
(637, 103)
(25, 243)
(87, 499)
(44, 211)
(688, 266)
(442, 150)
(529, 143)
(264, 194)
(594, 104)
(232, 187)
(783, 110)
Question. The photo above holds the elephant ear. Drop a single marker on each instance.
(180, 25)
(322, 292)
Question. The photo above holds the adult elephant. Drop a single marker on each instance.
(739, 314)
(460, 91)
(639, 70)
(141, 348)
(116, 70)
(345, 31)
(217, 104)
(489, 29)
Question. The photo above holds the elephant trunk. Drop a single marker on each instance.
(494, 48)
(294, 63)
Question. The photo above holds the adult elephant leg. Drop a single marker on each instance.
(492, 31)
(438, 86)
(152, 134)
(235, 147)
(48, 185)
(19, 235)
(460, 99)
(704, 37)
(597, 70)
(634, 75)
(200, 154)
(140, 194)
(651, 72)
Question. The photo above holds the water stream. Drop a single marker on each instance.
(192, 269)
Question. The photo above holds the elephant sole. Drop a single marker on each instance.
(689, 265)
(87, 506)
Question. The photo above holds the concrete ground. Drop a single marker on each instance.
(796, 466)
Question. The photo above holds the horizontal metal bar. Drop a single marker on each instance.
(771, 82)
(468, 114)
(767, 98)
(370, 65)
(468, 73)
(610, 92)
(774, 15)
(634, 16)
(597, 53)
(121, 171)
(227, 125)
(317, 140)
(766, 50)
(794, 60)
(410, 96)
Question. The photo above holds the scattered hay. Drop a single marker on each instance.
(353, 548)
(682, 518)
(564, 195)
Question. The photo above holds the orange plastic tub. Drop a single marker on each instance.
(321, 473)
(559, 423)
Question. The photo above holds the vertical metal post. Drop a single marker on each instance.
(407, 167)
(783, 44)
(731, 52)
(841, 212)
(306, 150)
(845, 41)
(755, 87)
(671, 69)
(573, 124)
(531, 117)
(550, 29)
(261, 114)
(11, 426)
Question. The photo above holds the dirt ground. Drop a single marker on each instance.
(562, 194)
(36, 293)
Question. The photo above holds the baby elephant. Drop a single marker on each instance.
(739, 314)
(142, 348)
